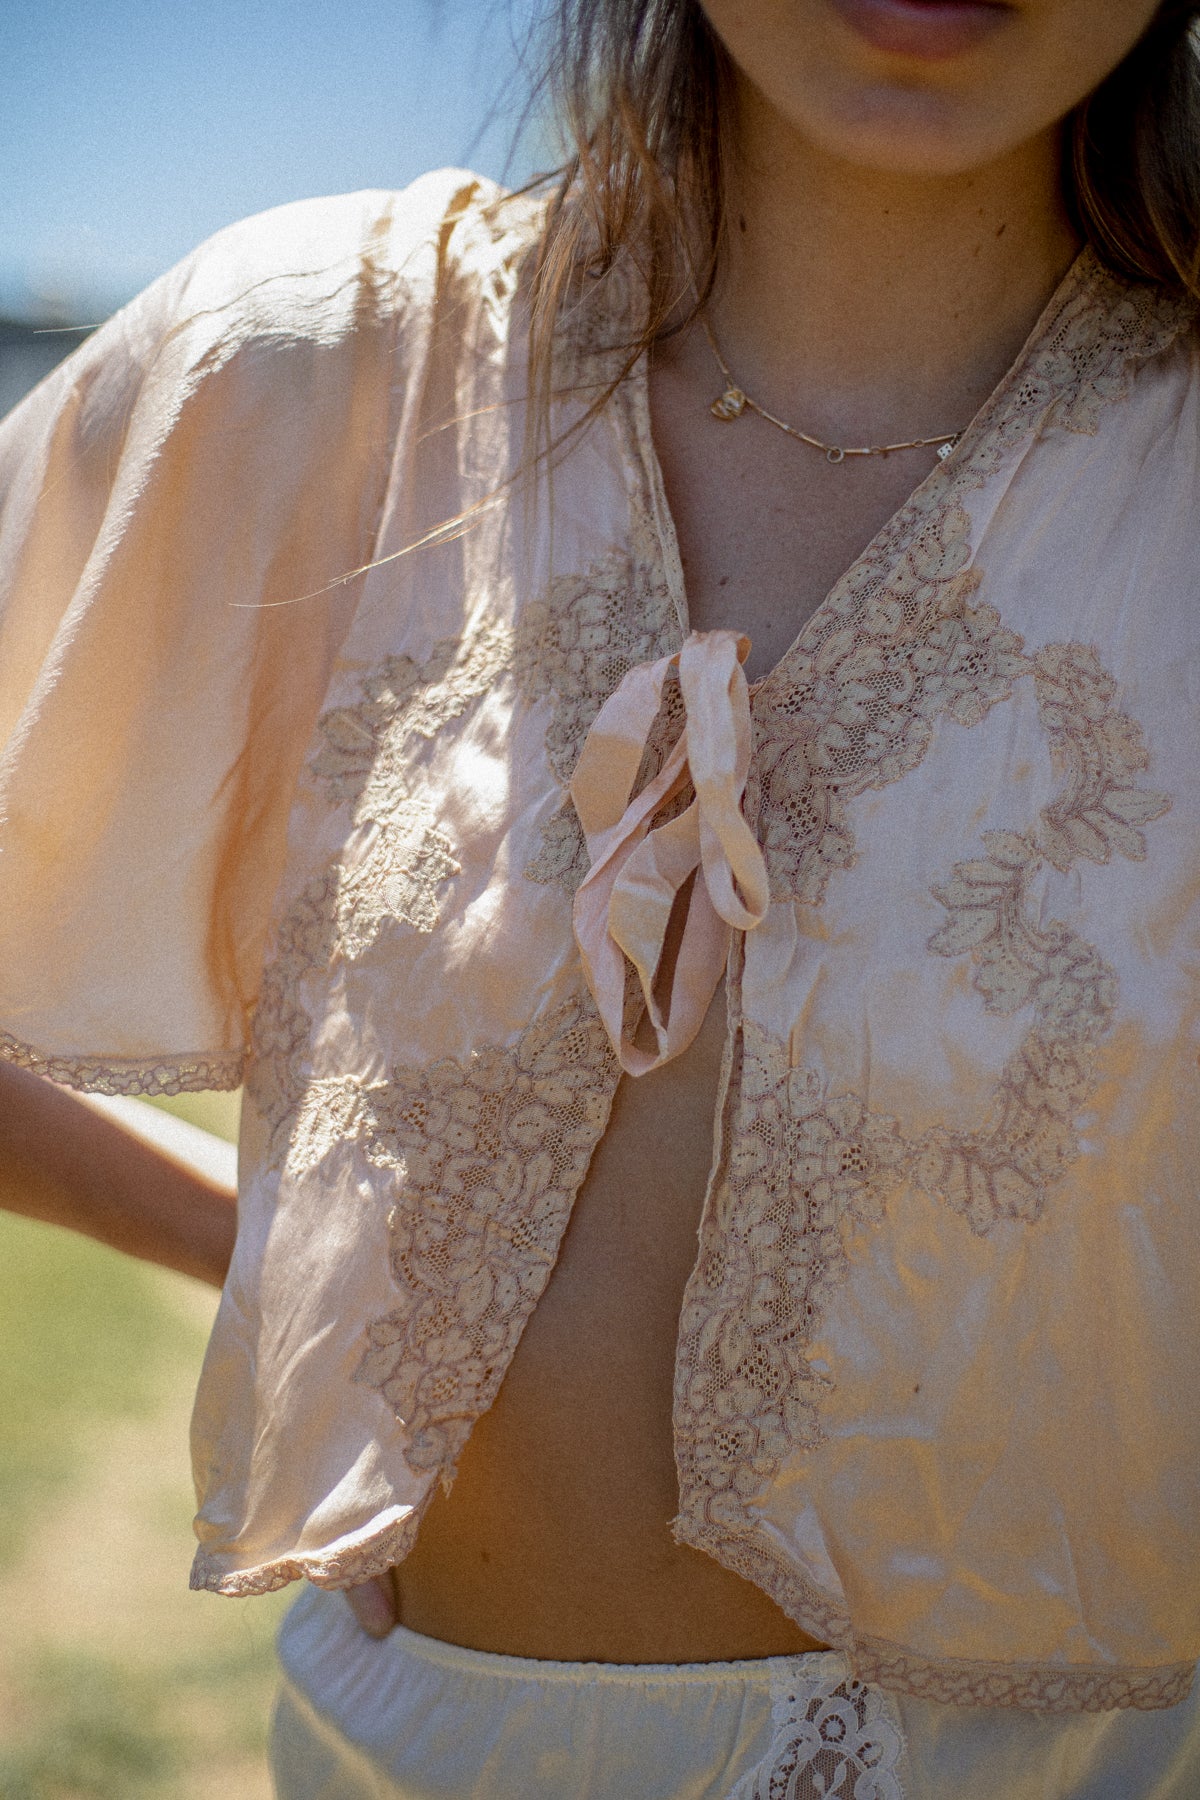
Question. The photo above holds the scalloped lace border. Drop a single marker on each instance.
(192, 1073)
(354, 1559)
(1036, 1687)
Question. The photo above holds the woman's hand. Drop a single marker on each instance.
(373, 1604)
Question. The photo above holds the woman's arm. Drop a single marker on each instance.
(65, 1161)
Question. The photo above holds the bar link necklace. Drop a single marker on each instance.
(735, 401)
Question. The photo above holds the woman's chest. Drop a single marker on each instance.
(765, 527)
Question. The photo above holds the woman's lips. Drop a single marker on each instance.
(930, 29)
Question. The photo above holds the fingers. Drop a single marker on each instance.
(373, 1604)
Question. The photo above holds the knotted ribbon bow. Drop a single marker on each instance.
(624, 906)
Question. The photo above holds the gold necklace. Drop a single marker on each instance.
(735, 401)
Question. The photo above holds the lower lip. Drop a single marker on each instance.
(929, 29)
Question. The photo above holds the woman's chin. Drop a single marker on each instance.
(926, 87)
(913, 129)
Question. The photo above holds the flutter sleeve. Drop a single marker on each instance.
(180, 504)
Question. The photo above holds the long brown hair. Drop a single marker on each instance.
(639, 87)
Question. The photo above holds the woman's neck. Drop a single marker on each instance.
(881, 305)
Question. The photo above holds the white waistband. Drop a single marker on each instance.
(756, 1672)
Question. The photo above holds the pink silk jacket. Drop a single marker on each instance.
(393, 838)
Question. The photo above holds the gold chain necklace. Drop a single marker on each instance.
(735, 401)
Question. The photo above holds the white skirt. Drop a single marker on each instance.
(409, 1718)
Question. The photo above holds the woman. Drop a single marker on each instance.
(363, 739)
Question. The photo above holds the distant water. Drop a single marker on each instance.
(26, 355)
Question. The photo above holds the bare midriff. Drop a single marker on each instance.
(555, 1540)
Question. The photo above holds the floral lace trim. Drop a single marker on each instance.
(1098, 751)
(898, 644)
(724, 1537)
(365, 1555)
(368, 747)
(800, 1163)
(366, 761)
(591, 330)
(772, 1252)
(128, 1075)
(1004, 1170)
(1040, 1688)
(830, 1737)
(574, 646)
(401, 863)
(1081, 363)
(492, 1153)
(859, 711)
(801, 1166)
(398, 879)
(282, 1025)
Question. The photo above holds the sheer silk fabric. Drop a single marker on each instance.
(280, 803)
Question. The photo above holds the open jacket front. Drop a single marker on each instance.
(281, 803)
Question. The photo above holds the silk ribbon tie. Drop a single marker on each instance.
(623, 909)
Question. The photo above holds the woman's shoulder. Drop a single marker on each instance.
(312, 270)
(302, 299)
(385, 244)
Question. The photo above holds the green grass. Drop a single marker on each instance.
(100, 1734)
(218, 1113)
(115, 1682)
(100, 1729)
(84, 1337)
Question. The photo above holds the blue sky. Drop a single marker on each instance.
(131, 129)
